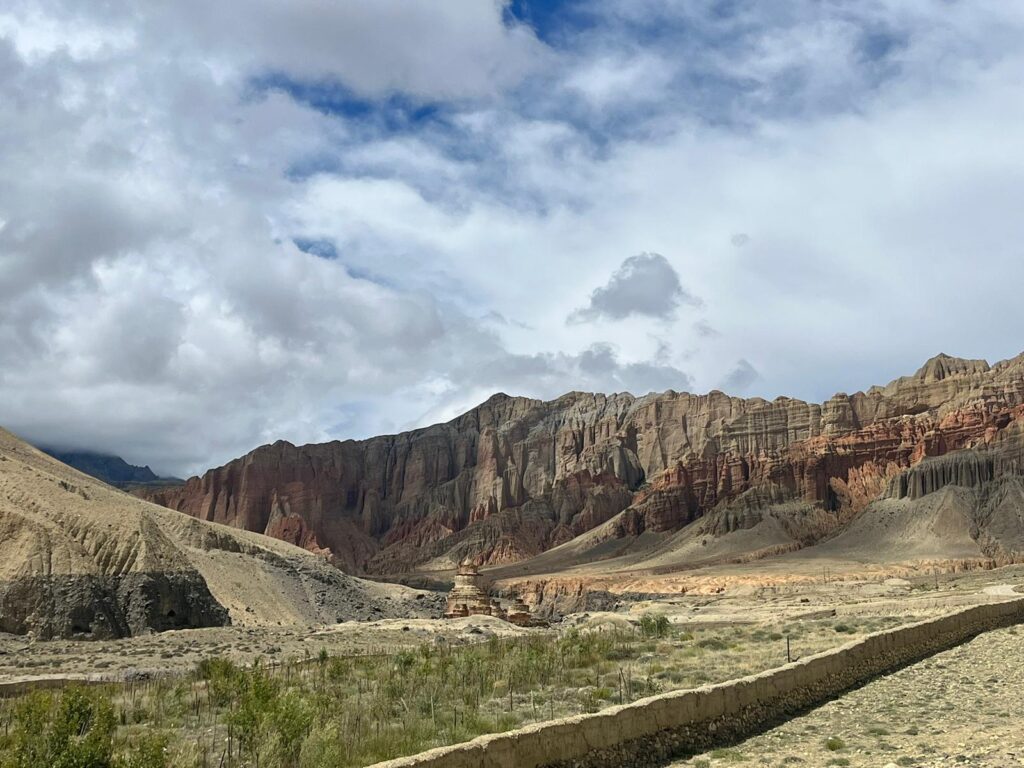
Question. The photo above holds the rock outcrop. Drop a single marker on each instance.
(515, 477)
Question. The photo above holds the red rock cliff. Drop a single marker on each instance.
(514, 476)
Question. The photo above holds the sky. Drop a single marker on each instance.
(328, 220)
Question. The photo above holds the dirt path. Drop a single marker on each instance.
(1002, 590)
(962, 707)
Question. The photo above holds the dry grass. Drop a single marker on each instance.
(351, 711)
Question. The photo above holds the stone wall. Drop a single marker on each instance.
(651, 731)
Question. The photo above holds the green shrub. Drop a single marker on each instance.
(223, 679)
(292, 718)
(713, 644)
(75, 729)
(655, 625)
(323, 749)
(147, 751)
(834, 744)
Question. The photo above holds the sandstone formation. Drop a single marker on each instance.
(79, 558)
(702, 477)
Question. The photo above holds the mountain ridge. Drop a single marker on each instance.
(515, 477)
(111, 469)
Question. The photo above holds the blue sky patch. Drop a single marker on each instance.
(553, 21)
(325, 249)
(394, 113)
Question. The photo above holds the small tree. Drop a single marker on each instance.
(655, 625)
(292, 718)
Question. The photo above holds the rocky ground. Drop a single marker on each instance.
(181, 650)
(958, 708)
(855, 604)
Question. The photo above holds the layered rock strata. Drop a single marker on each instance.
(516, 477)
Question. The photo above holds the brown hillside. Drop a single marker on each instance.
(78, 557)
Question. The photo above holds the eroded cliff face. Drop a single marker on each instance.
(81, 559)
(515, 477)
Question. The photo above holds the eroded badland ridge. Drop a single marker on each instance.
(659, 482)
(81, 559)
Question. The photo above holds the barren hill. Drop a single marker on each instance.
(78, 557)
(667, 480)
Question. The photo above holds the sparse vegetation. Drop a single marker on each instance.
(72, 730)
(338, 711)
(654, 625)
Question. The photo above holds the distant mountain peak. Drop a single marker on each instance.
(111, 469)
(943, 366)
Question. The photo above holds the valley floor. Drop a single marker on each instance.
(375, 690)
(180, 651)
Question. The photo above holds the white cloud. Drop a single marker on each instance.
(634, 78)
(153, 303)
(433, 50)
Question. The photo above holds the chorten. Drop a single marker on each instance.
(468, 596)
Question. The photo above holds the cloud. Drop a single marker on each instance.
(739, 379)
(599, 367)
(704, 330)
(645, 284)
(308, 223)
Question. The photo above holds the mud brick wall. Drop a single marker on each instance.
(651, 731)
